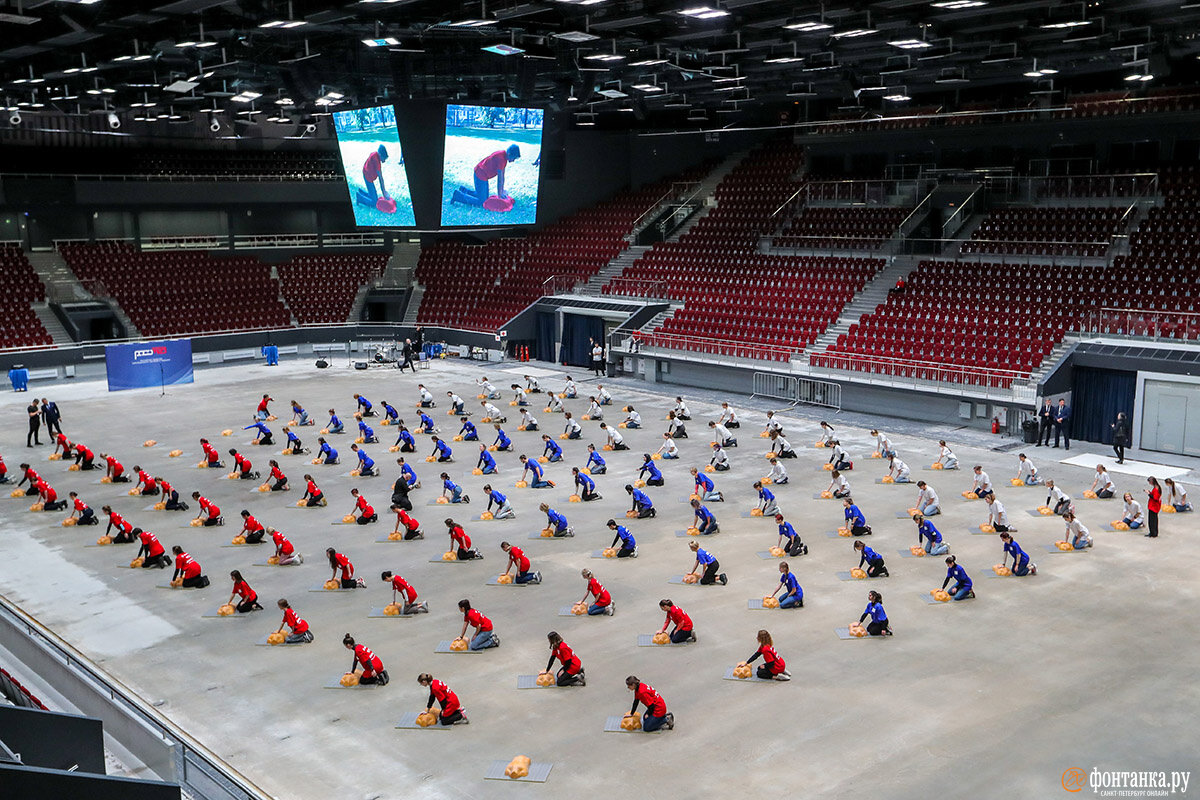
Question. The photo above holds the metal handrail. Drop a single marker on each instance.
(662, 200)
(1010, 374)
(677, 338)
(130, 703)
(658, 289)
(218, 242)
(192, 178)
(966, 207)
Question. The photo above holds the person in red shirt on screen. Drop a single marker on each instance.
(492, 166)
(300, 633)
(373, 171)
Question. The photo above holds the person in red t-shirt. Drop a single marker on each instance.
(312, 495)
(460, 540)
(151, 551)
(243, 466)
(484, 636)
(338, 561)
(571, 673)
(604, 603)
(211, 454)
(3, 471)
(373, 171)
(170, 495)
(412, 528)
(189, 569)
(249, 601)
(300, 633)
(86, 515)
(285, 551)
(683, 623)
(365, 512)
(518, 559)
(49, 497)
(281, 481)
(373, 671)
(61, 441)
(774, 668)
(84, 457)
(411, 606)
(494, 165)
(115, 472)
(451, 709)
(124, 529)
(656, 715)
(263, 410)
(252, 529)
(146, 481)
(209, 511)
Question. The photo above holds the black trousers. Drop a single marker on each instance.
(1062, 429)
(31, 438)
(1152, 523)
(1044, 432)
(710, 573)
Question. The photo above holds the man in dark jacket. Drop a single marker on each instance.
(1062, 423)
(1045, 423)
(51, 416)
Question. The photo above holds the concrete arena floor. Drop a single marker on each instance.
(1088, 664)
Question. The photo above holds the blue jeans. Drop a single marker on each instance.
(670, 455)
(791, 600)
(594, 610)
(338, 429)
(960, 592)
(1133, 524)
(711, 497)
(456, 495)
(632, 425)
(903, 478)
(504, 512)
(941, 548)
(1021, 569)
(1079, 543)
(524, 577)
(929, 510)
(488, 470)
(1032, 480)
(951, 463)
(708, 528)
(651, 724)
(1182, 506)
(540, 483)
(482, 640)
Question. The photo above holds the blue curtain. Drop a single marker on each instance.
(544, 344)
(1097, 396)
(578, 332)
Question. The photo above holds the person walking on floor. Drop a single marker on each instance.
(1120, 430)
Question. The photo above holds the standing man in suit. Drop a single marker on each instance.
(1045, 423)
(51, 416)
(1062, 423)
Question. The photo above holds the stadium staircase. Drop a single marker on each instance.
(58, 334)
(612, 269)
(62, 286)
(866, 301)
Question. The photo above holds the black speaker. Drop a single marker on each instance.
(360, 365)
(322, 363)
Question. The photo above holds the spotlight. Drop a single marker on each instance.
(15, 119)
(114, 121)
(214, 125)
(310, 128)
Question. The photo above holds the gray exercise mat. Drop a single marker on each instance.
(408, 721)
(320, 587)
(266, 564)
(262, 642)
(643, 640)
(385, 540)
(844, 633)
(565, 611)
(756, 604)
(538, 772)
(613, 725)
(495, 581)
(377, 613)
(212, 614)
(908, 554)
(1049, 548)
(678, 580)
(752, 679)
(336, 683)
(530, 682)
(976, 532)
(444, 647)
(766, 555)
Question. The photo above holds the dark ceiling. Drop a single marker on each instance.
(729, 61)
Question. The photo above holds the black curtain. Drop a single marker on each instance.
(544, 345)
(1097, 397)
(578, 332)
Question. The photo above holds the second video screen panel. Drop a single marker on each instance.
(491, 165)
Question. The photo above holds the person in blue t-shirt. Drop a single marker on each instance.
(557, 521)
(406, 471)
(551, 452)
(503, 509)
(856, 521)
(326, 452)
(793, 595)
(366, 464)
(390, 415)
(962, 581)
(705, 489)
(441, 450)
(537, 481)
(364, 406)
(405, 440)
(628, 547)
(766, 500)
(264, 433)
(299, 415)
(427, 425)
(1021, 564)
(366, 433)
(595, 463)
(453, 490)
(467, 431)
(878, 626)
(502, 441)
(934, 545)
(706, 561)
(789, 540)
(642, 504)
(875, 566)
(705, 522)
(649, 467)
(294, 445)
(585, 486)
(334, 425)
(486, 464)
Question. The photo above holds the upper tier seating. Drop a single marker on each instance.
(321, 288)
(19, 325)
(1047, 231)
(841, 227)
(181, 291)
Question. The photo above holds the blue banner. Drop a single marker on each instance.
(144, 364)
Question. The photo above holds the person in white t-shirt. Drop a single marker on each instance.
(594, 411)
(838, 485)
(492, 413)
(728, 418)
(597, 358)
(778, 473)
(724, 437)
(982, 485)
(1132, 513)
(773, 424)
(998, 516)
(1058, 500)
(946, 456)
(780, 446)
(898, 470)
(1076, 534)
(882, 445)
(681, 409)
(615, 439)
(1026, 472)
(668, 449)
(1102, 485)
(927, 503)
(720, 459)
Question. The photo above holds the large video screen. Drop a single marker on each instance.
(491, 165)
(374, 163)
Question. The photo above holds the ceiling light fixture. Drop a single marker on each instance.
(704, 12)
(957, 5)
(808, 26)
(910, 44)
(853, 33)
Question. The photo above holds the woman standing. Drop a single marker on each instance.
(571, 673)
(1153, 506)
(1120, 430)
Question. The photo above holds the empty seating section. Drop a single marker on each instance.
(182, 291)
(737, 300)
(321, 289)
(1048, 231)
(19, 326)
(841, 227)
(279, 165)
(481, 287)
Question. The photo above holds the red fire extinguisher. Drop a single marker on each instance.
(995, 424)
